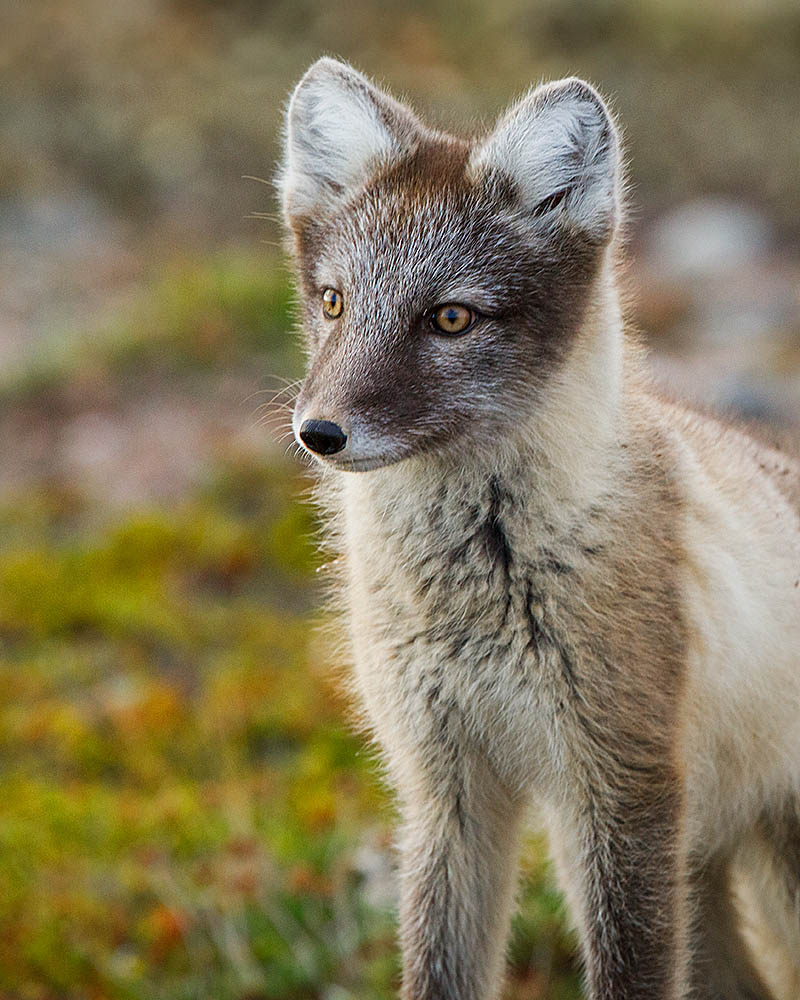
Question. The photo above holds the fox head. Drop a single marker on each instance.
(444, 282)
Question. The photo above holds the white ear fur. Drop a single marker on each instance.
(338, 125)
(559, 137)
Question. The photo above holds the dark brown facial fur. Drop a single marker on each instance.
(419, 234)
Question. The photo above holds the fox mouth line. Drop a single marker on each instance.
(362, 464)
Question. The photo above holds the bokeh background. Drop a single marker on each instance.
(183, 810)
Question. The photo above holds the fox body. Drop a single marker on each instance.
(560, 587)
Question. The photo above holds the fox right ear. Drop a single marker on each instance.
(338, 126)
(559, 148)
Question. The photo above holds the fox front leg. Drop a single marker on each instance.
(458, 863)
(622, 868)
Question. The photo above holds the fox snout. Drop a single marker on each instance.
(340, 434)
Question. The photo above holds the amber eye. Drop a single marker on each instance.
(452, 318)
(332, 303)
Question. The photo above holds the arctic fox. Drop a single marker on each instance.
(560, 586)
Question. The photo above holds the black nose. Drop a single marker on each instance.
(323, 436)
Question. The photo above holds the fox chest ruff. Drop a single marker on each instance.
(467, 618)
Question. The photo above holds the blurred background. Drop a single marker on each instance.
(183, 810)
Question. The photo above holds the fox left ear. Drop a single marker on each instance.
(338, 127)
(560, 149)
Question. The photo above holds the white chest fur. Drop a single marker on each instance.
(459, 635)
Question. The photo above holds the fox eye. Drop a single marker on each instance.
(332, 303)
(452, 318)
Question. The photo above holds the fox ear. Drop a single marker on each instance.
(338, 125)
(559, 147)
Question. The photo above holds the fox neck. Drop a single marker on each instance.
(573, 437)
(563, 460)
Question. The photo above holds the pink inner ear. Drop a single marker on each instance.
(551, 201)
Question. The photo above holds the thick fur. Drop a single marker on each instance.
(560, 586)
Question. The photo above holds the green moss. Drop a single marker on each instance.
(156, 714)
(199, 314)
(232, 310)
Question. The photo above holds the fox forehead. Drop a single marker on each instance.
(422, 227)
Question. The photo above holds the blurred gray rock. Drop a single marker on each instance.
(708, 237)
